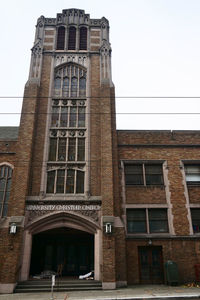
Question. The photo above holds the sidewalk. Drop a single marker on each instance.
(132, 292)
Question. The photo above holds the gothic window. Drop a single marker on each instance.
(69, 82)
(61, 38)
(83, 38)
(67, 142)
(70, 116)
(72, 38)
(65, 181)
(5, 186)
(67, 149)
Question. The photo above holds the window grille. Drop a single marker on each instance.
(61, 38)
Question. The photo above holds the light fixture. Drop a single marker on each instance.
(108, 228)
(13, 228)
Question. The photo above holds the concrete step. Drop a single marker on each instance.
(62, 285)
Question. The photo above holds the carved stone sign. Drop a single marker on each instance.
(62, 207)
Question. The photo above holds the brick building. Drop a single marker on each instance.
(84, 195)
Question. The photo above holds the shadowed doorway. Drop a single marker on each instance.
(70, 248)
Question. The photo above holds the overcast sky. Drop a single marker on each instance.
(155, 53)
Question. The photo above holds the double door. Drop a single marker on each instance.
(151, 265)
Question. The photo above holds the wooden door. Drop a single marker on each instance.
(150, 265)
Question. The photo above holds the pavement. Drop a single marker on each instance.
(132, 292)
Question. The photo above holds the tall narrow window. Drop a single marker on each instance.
(50, 181)
(70, 182)
(57, 86)
(74, 85)
(60, 181)
(72, 38)
(81, 117)
(80, 182)
(81, 150)
(55, 116)
(83, 38)
(52, 149)
(5, 187)
(65, 87)
(62, 149)
(82, 87)
(72, 149)
(64, 116)
(72, 121)
(61, 38)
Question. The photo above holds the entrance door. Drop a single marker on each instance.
(69, 250)
(150, 265)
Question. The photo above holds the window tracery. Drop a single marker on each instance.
(67, 141)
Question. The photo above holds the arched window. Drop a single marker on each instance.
(72, 38)
(74, 84)
(5, 186)
(82, 86)
(61, 38)
(83, 39)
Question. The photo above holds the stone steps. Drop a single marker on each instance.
(31, 286)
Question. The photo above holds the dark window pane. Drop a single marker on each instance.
(60, 181)
(5, 210)
(158, 221)
(2, 184)
(10, 172)
(8, 187)
(52, 149)
(134, 175)
(64, 117)
(70, 182)
(55, 116)
(61, 38)
(80, 182)
(72, 149)
(50, 181)
(195, 213)
(82, 86)
(136, 221)
(83, 38)
(57, 86)
(72, 38)
(81, 117)
(62, 149)
(154, 179)
(74, 86)
(2, 171)
(154, 174)
(1, 196)
(66, 87)
(81, 149)
(72, 121)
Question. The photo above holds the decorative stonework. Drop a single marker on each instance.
(90, 214)
(79, 59)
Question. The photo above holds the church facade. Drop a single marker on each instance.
(77, 194)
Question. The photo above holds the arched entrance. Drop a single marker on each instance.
(66, 238)
(66, 250)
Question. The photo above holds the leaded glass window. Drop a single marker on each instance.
(68, 133)
(5, 187)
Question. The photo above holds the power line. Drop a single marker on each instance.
(112, 114)
(103, 97)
